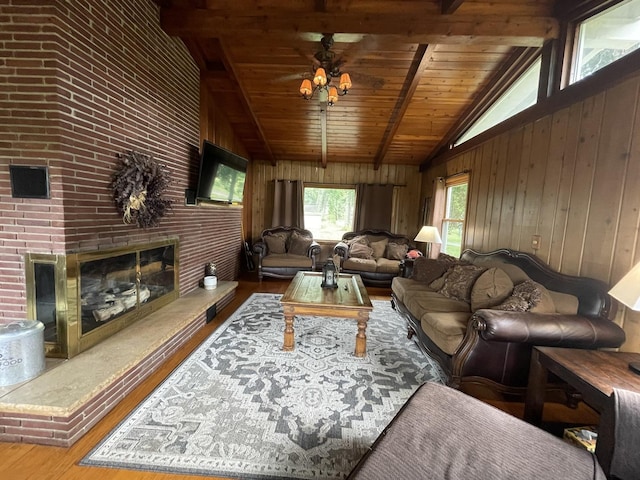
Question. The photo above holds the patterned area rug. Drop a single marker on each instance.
(240, 407)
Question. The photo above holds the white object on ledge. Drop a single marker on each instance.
(210, 282)
(21, 351)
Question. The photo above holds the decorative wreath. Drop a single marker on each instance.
(138, 185)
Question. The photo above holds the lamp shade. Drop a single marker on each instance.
(627, 290)
(305, 88)
(345, 82)
(320, 78)
(428, 234)
(333, 94)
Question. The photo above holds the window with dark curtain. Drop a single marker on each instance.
(373, 207)
(288, 202)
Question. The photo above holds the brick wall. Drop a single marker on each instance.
(79, 84)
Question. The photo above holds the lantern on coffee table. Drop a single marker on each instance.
(329, 275)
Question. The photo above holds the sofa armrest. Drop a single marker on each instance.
(341, 249)
(547, 329)
(314, 250)
(260, 248)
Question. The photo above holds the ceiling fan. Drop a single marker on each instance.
(326, 68)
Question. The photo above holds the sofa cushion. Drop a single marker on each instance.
(276, 244)
(402, 287)
(286, 260)
(384, 265)
(379, 247)
(418, 303)
(360, 264)
(426, 270)
(299, 244)
(564, 303)
(360, 250)
(490, 289)
(459, 281)
(396, 251)
(445, 329)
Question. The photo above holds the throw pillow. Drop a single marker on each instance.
(426, 270)
(443, 257)
(546, 303)
(299, 244)
(491, 288)
(360, 250)
(275, 243)
(396, 251)
(358, 239)
(513, 304)
(459, 281)
(529, 291)
(379, 247)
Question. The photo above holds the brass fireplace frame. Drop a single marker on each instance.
(69, 337)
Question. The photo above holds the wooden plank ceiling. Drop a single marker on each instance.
(415, 70)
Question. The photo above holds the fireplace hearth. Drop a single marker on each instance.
(84, 298)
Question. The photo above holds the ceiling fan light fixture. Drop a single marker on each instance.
(345, 82)
(320, 78)
(306, 89)
(333, 95)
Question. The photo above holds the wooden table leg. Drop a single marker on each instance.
(288, 332)
(534, 401)
(361, 337)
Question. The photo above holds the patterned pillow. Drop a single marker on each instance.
(513, 304)
(459, 281)
(360, 250)
(299, 244)
(275, 243)
(426, 270)
(396, 251)
(358, 239)
(529, 291)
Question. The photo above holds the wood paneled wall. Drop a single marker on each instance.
(572, 177)
(406, 209)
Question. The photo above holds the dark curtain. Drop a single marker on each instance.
(373, 207)
(287, 204)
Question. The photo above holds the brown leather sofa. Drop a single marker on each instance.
(284, 251)
(491, 346)
(375, 255)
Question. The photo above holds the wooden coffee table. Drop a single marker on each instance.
(305, 296)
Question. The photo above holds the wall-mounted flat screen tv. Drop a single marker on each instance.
(222, 175)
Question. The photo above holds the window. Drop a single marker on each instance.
(606, 37)
(522, 94)
(329, 211)
(456, 189)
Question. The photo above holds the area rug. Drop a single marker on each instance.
(240, 407)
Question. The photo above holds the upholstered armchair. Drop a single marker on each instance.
(284, 251)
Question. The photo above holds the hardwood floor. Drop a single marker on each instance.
(37, 462)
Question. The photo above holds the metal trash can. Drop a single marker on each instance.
(21, 351)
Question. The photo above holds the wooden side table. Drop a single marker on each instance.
(594, 373)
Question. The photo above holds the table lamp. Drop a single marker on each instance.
(428, 234)
(627, 292)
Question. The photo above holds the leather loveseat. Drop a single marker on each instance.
(284, 251)
(480, 316)
(375, 255)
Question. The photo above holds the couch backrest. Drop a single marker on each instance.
(286, 230)
(375, 235)
(593, 299)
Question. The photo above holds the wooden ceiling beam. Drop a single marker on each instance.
(323, 135)
(419, 64)
(450, 6)
(504, 30)
(243, 98)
